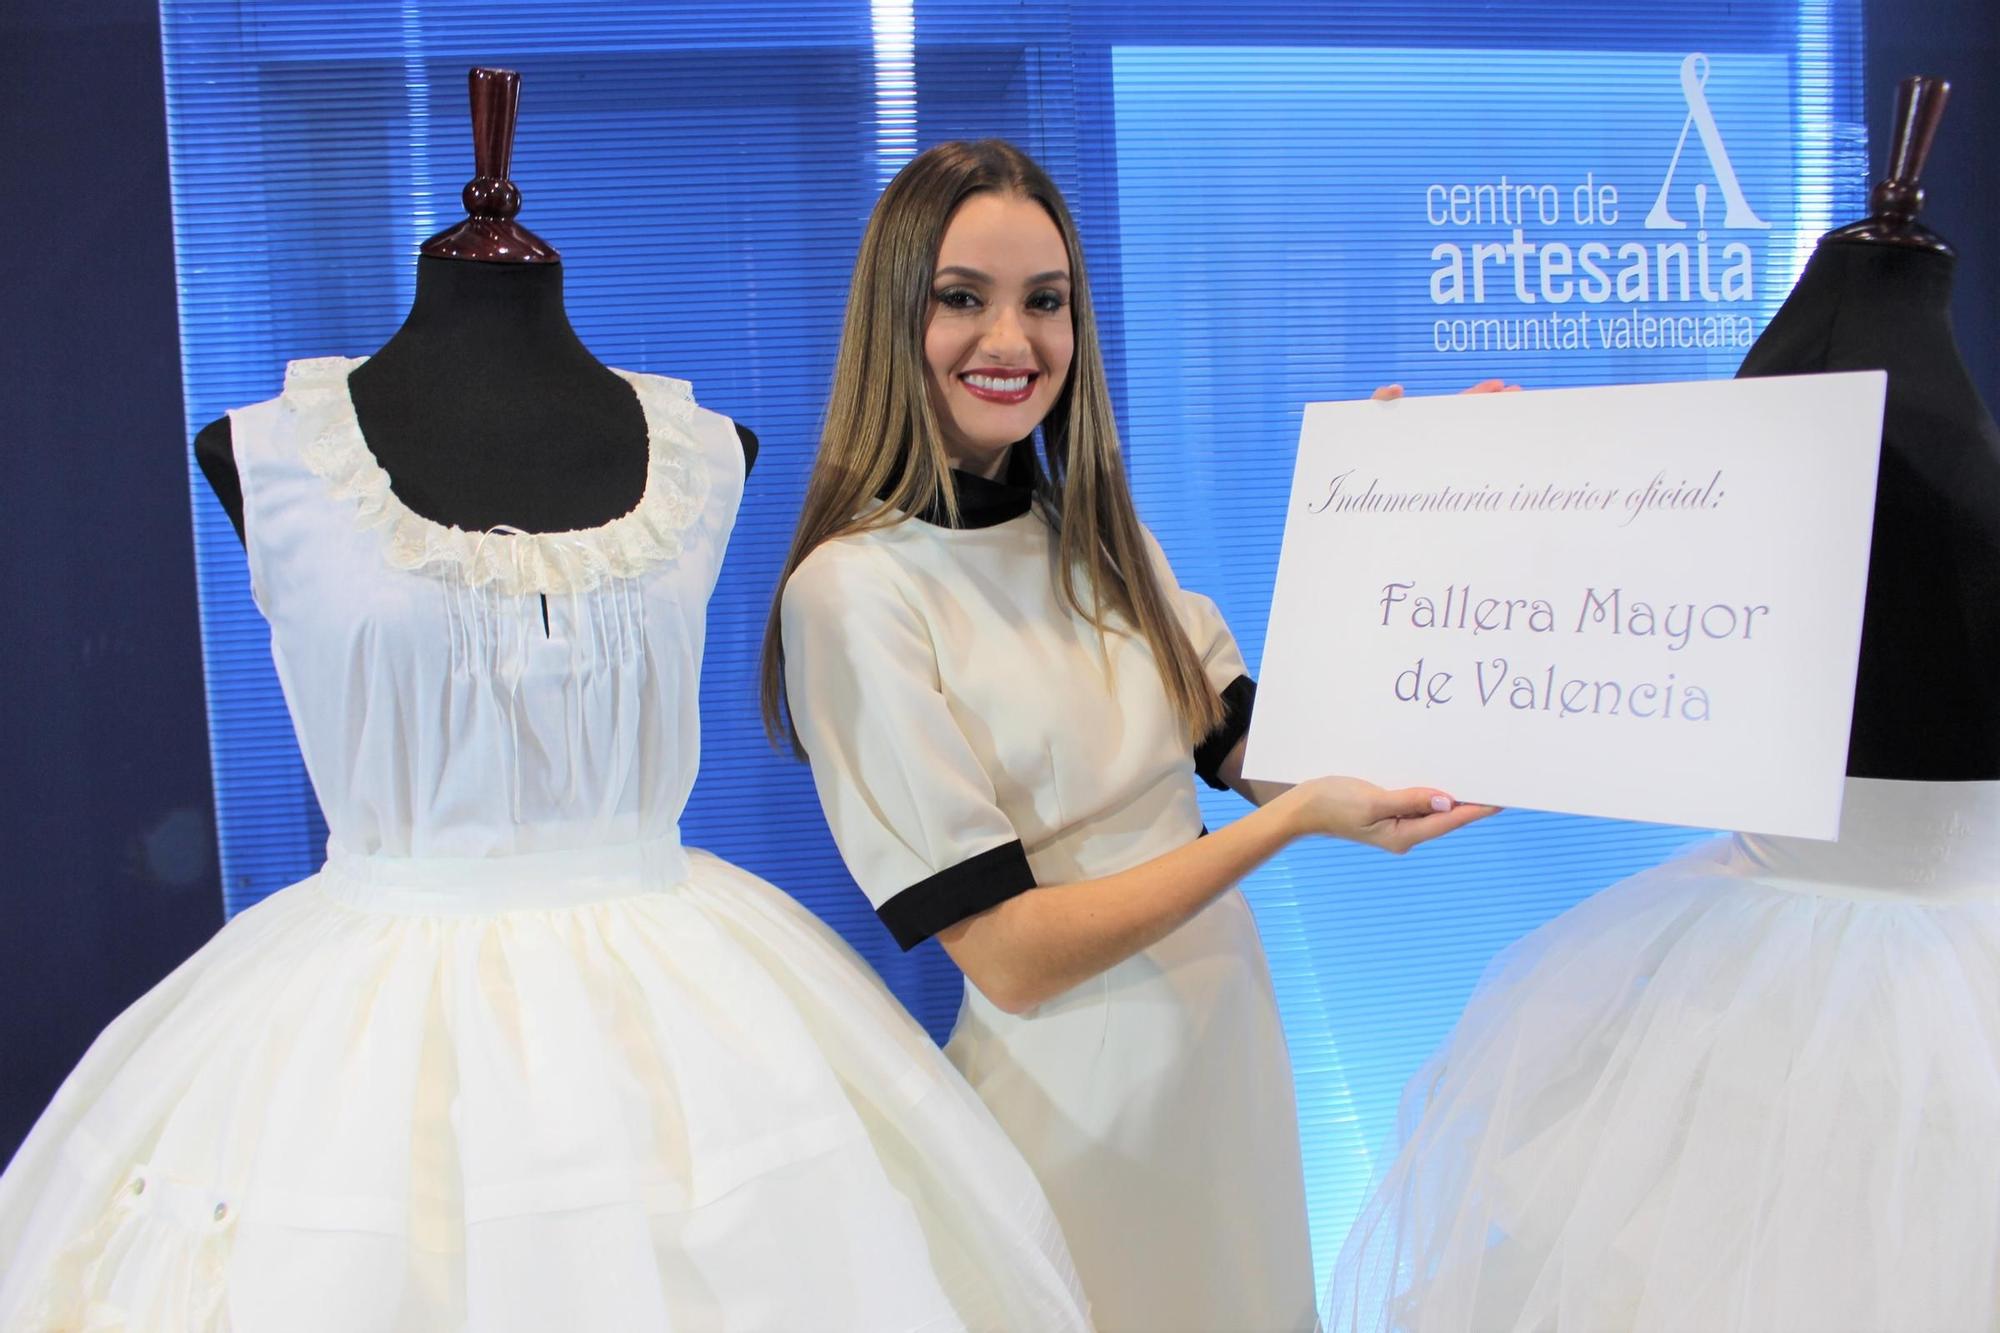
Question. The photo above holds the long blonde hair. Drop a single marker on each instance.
(882, 455)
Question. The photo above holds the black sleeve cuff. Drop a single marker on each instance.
(957, 892)
(1237, 701)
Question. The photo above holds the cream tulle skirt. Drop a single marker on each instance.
(1756, 1089)
(624, 1089)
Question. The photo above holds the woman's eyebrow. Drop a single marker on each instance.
(959, 270)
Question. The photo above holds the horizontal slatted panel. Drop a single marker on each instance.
(1251, 180)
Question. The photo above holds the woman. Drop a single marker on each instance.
(1004, 696)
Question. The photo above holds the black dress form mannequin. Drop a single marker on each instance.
(1876, 295)
(485, 409)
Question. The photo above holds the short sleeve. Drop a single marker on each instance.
(911, 809)
(1223, 662)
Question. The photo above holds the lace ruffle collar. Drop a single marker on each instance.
(512, 562)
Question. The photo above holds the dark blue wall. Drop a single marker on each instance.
(107, 862)
(1960, 40)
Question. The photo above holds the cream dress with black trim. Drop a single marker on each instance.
(970, 740)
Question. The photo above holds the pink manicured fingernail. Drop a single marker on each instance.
(1441, 804)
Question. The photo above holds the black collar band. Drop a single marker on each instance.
(984, 503)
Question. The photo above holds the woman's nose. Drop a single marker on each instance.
(1006, 338)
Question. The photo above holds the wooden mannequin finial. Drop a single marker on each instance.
(490, 233)
(1899, 196)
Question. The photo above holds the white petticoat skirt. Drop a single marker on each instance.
(622, 1089)
(1755, 1089)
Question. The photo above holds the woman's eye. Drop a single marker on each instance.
(956, 298)
(1047, 303)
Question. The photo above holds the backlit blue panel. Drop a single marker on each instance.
(1281, 203)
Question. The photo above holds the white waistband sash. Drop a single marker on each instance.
(479, 885)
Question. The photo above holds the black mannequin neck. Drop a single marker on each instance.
(500, 318)
(1916, 283)
(486, 410)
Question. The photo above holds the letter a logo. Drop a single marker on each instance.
(1739, 214)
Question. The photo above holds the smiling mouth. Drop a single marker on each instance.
(1015, 386)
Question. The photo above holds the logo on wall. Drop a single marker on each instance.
(1694, 78)
(1556, 247)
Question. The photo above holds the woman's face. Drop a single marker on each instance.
(998, 339)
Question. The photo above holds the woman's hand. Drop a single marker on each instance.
(1362, 812)
(1390, 392)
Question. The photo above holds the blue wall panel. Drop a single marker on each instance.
(1255, 186)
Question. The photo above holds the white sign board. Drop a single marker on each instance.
(1641, 602)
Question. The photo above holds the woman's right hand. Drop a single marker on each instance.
(1362, 812)
(1389, 393)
